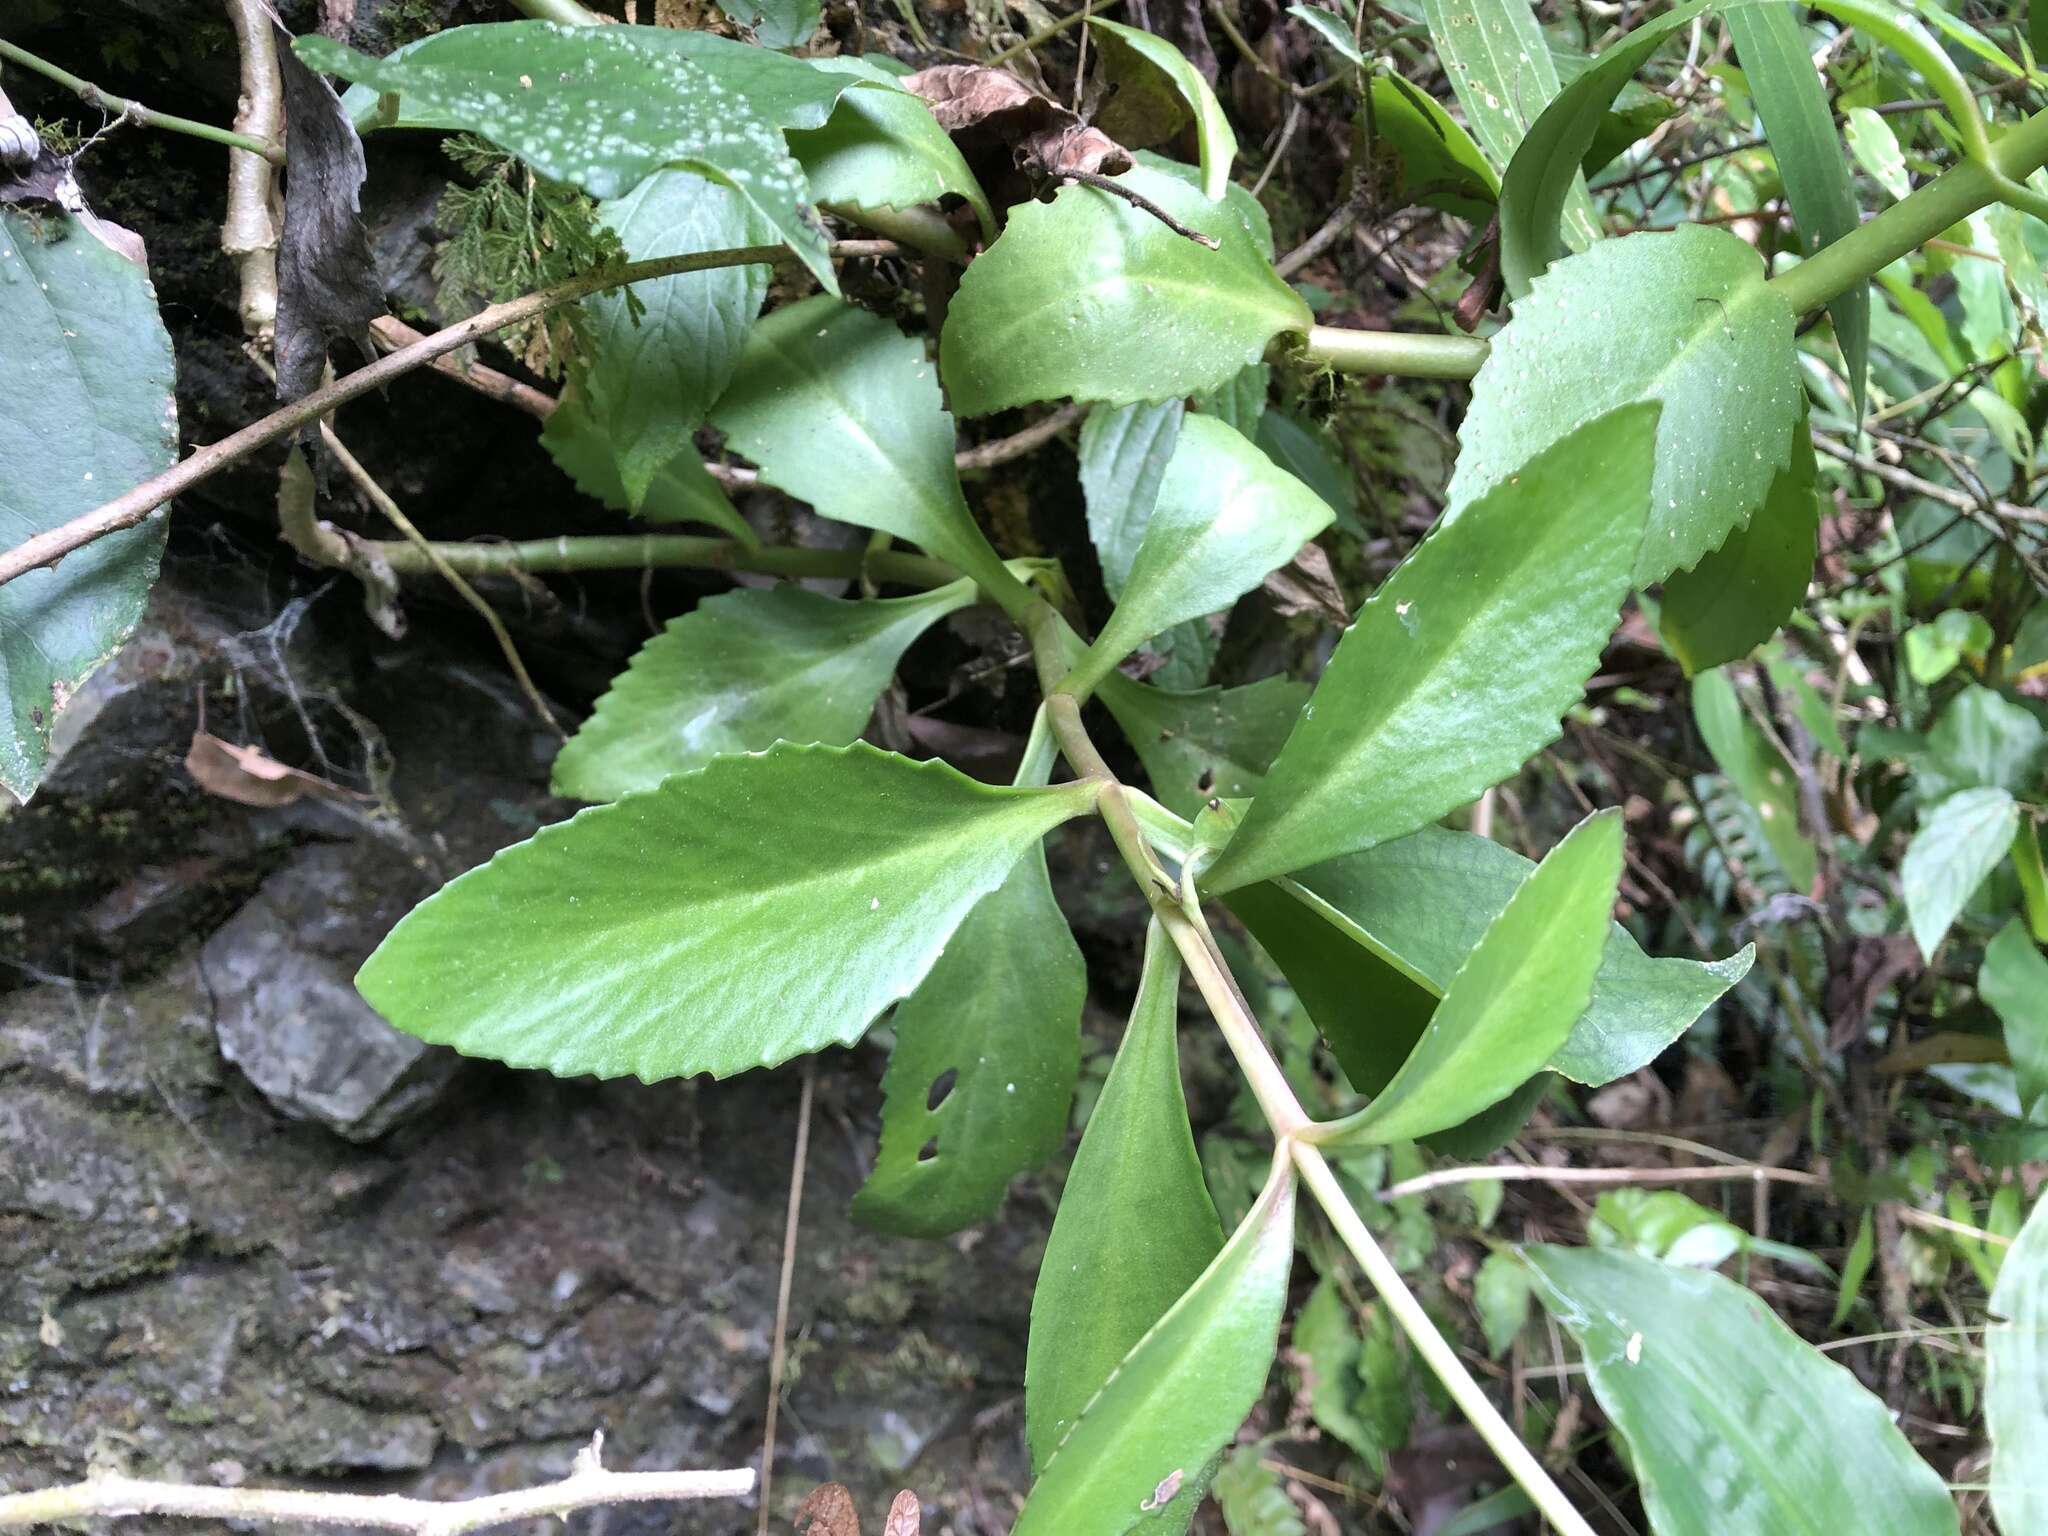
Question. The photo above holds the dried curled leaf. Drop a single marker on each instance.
(327, 286)
(250, 776)
(906, 1515)
(982, 107)
(828, 1511)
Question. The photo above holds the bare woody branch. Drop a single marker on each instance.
(588, 1485)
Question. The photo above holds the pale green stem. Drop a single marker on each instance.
(135, 111)
(645, 551)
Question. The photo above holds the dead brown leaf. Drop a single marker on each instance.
(250, 776)
(828, 1511)
(980, 107)
(1306, 584)
(906, 1515)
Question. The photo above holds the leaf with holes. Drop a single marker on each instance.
(841, 409)
(87, 410)
(1513, 1002)
(984, 1064)
(1135, 1227)
(759, 909)
(1209, 742)
(1718, 1400)
(603, 108)
(1175, 1400)
(740, 672)
(1683, 318)
(1153, 91)
(1415, 713)
(1225, 517)
(1089, 297)
(883, 149)
(651, 376)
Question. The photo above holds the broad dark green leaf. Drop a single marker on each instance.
(1181, 1392)
(2013, 982)
(1982, 741)
(1124, 452)
(776, 23)
(1683, 318)
(994, 1037)
(1544, 175)
(1089, 297)
(682, 491)
(1135, 1227)
(759, 909)
(1436, 164)
(1211, 742)
(1737, 596)
(1416, 714)
(2016, 1379)
(1758, 770)
(1239, 402)
(604, 107)
(86, 411)
(841, 409)
(1409, 911)
(1513, 1002)
(1226, 516)
(1719, 1403)
(1792, 99)
(1959, 842)
(740, 672)
(882, 149)
(1154, 89)
(650, 379)
(1306, 454)
(1504, 77)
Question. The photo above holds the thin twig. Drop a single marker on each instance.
(791, 1222)
(1003, 449)
(1928, 1221)
(587, 1486)
(1049, 33)
(381, 498)
(132, 507)
(1287, 128)
(134, 111)
(1505, 1173)
(1140, 201)
(393, 334)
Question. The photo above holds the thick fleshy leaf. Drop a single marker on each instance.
(1182, 1391)
(1512, 1004)
(1683, 318)
(1124, 452)
(1501, 68)
(841, 409)
(86, 410)
(883, 149)
(1135, 1226)
(1436, 164)
(1544, 173)
(1718, 1401)
(983, 1069)
(1759, 772)
(1959, 842)
(604, 107)
(1982, 741)
(2016, 1379)
(1793, 100)
(740, 672)
(1411, 911)
(776, 23)
(650, 378)
(1089, 297)
(1143, 69)
(759, 909)
(1735, 598)
(1416, 713)
(682, 491)
(1226, 516)
(2013, 981)
(1211, 742)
